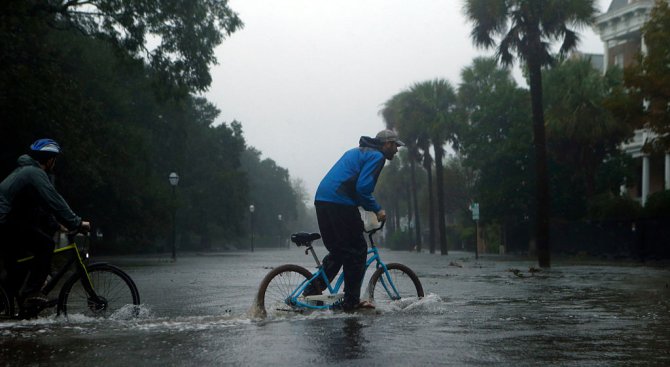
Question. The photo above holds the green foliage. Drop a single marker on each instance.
(581, 131)
(617, 169)
(458, 185)
(496, 142)
(125, 125)
(270, 191)
(400, 241)
(177, 37)
(648, 81)
(527, 28)
(609, 207)
(658, 205)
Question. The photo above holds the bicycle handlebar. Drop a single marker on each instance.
(73, 233)
(373, 230)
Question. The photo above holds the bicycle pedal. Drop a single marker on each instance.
(323, 299)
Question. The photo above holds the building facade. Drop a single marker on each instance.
(620, 29)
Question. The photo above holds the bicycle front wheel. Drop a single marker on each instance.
(276, 288)
(113, 290)
(401, 282)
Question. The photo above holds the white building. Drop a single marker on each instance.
(620, 29)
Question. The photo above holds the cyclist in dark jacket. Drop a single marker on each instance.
(31, 211)
(348, 185)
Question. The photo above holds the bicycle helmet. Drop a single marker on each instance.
(46, 146)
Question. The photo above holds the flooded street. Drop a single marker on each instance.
(198, 311)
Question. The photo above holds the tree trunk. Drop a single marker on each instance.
(431, 200)
(542, 185)
(417, 220)
(396, 214)
(439, 182)
(408, 195)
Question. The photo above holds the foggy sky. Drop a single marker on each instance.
(307, 78)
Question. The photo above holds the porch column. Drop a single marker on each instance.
(667, 171)
(645, 179)
(606, 55)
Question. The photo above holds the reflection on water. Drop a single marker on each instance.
(480, 312)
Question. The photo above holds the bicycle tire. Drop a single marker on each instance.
(405, 280)
(6, 304)
(277, 286)
(112, 285)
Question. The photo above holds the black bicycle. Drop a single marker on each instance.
(94, 290)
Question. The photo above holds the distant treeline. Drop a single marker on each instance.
(127, 116)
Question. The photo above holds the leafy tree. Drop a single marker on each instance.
(458, 188)
(496, 142)
(581, 131)
(120, 139)
(270, 191)
(527, 28)
(306, 220)
(648, 81)
(618, 169)
(213, 186)
(176, 37)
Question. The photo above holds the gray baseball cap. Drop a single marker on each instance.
(389, 135)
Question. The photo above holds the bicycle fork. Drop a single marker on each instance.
(387, 283)
(95, 302)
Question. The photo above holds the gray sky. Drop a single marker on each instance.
(307, 78)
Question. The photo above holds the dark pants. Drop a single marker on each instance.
(342, 233)
(17, 243)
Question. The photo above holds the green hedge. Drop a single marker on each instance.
(658, 205)
(609, 207)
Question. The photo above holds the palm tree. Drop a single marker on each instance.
(394, 113)
(527, 28)
(427, 162)
(433, 102)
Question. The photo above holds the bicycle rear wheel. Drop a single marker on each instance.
(276, 288)
(403, 279)
(114, 291)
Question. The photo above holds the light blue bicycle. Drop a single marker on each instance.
(282, 289)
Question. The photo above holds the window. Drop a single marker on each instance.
(618, 60)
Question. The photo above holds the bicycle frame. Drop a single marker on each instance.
(75, 259)
(295, 299)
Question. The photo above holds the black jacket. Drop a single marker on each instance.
(28, 199)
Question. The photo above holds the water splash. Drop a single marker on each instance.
(431, 303)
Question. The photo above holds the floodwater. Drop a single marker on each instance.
(197, 311)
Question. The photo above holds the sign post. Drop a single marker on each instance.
(474, 207)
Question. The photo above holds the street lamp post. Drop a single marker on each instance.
(174, 181)
(251, 218)
(279, 228)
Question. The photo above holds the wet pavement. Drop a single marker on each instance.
(492, 311)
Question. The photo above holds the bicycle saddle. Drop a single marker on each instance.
(304, 238)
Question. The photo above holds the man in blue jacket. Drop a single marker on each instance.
(348, 185)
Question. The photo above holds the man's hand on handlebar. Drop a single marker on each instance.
(85, 226)
(381, 215)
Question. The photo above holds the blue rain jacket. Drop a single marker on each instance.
(352, 179)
